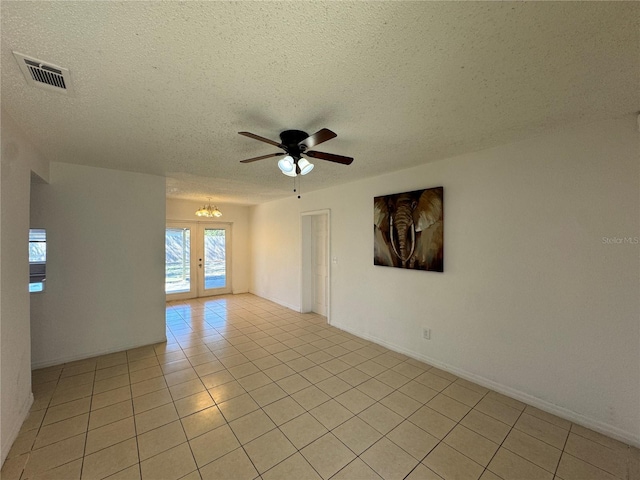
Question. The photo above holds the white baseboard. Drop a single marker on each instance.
(82, 356)
(14, 430)
(295, 308)
(596, 425)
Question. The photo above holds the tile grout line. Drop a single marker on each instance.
(86, 437)
(587, 461)
(503, 440)
(183, 430)
(135, 424)
(562, 451)
(440, 441)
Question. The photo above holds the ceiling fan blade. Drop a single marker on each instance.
(330, 156)
(262, 139)
(262, 157)
(317, 138)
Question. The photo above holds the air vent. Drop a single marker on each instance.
(39, 73)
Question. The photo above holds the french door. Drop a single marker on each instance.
(197, 259)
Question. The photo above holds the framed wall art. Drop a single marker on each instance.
(408, 230)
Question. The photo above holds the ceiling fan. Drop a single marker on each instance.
(295, 144)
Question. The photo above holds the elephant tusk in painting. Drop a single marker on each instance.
(408, 230)
(402, 240)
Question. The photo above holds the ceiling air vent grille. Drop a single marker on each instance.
(43, 74)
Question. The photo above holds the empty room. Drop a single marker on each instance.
(320, 240)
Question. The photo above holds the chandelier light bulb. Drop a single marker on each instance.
(209, 211)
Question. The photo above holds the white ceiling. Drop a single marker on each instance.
(164, 87)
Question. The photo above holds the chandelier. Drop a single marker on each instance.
(208, 211)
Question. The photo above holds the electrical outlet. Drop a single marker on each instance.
(426, 333)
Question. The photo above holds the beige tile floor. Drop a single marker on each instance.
(247, 389)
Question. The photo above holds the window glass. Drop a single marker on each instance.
(37, 259)
(177, 242)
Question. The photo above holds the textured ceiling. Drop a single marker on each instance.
(164, 87)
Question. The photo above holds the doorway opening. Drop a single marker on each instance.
(197, 259)
(316, 272)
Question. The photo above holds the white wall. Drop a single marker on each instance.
(105, 263)
(19, 159)
(532, 302)
(238, 217)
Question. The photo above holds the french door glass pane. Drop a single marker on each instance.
(215, 274)
(178, 260)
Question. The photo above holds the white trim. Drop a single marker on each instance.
(204, 222)
(15, 428)
(596, 425)
(82, 356)
(295, 308)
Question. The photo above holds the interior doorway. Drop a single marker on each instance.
(197, 259)
(316, 272)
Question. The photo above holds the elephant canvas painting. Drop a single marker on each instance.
(408, 230)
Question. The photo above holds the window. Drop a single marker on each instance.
(37, 259)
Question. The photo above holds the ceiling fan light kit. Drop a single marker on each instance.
(305, 166)
(287, 166)
(291, 167)
(296, 145)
